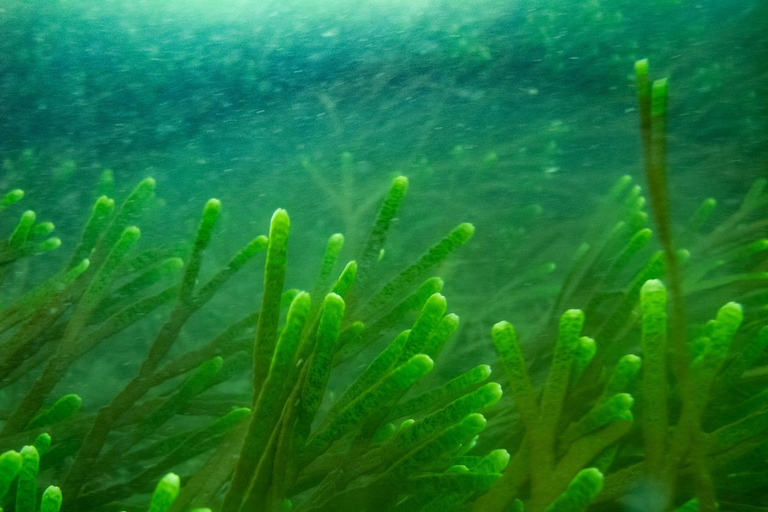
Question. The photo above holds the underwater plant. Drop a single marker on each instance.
(680, 422)
(23, 467)
(104, 291)
(321, 401)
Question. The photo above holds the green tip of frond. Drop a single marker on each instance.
(456, 469)
(143, 191)
(213, 365)
(731, 314)
(727, 322)
(624, 375)
(585, 352)
(335, 303)
(624, 181)
(641, 67)
(500, 327)
(62, 409)
(173, 264)
(131, 234)
(346, 279)
(622, 185)
(497, 460)
(653, 293)
(384, 432)
(50, 244)
(12, 197)
(43, 229)
(623, 400)
(571, 323)
(630, 362)
(587, 348)
(465, 231)
(212, 207)
(758, 246)
(421, 364)
(301, 301)
(644, 235)
(484, 371)
(400, 183)
(104, 203)
(147, 184)
(20, 234)
(435, 284)
(82, 266)
(336, 242)
(451, 320)
(51, 500)
(42, 443)
(10, 464)
(474, 422)
(436, 302)
(165, 493)
(575, 315)
(659, 90)
(280, 217)
(491, 393)
(29, 451)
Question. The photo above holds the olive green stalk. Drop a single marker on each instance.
(320, 365)
(332, 251)
(100, 214)
(269, 402)
(274, 278)
(432, 258)
(400, 379)
(10, 465)
(64, 407)
(26, 490)
(653, 300)
(378, 235)
(21, 233)
(508, 350)
(426, 401)
(425, 325)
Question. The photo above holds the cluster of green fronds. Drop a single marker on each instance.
(23, 466)
(372, 448)
(671, 415)
(641, 400)
(373, 440)
(104, 289)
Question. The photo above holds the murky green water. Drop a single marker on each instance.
(527, 199)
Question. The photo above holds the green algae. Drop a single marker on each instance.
(394, 434)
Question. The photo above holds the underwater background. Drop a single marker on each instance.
(517, 121)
